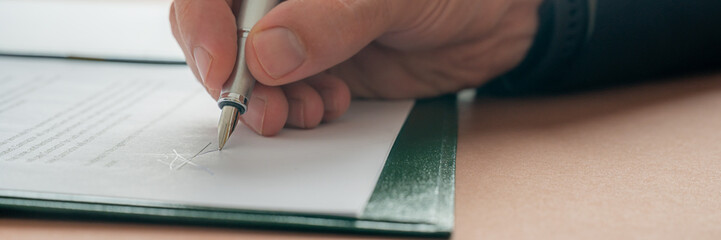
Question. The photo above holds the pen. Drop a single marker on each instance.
(234, 96)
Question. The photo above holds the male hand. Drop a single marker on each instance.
(311, 56)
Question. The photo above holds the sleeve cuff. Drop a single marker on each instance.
(564, 27)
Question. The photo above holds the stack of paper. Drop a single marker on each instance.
(109, 29)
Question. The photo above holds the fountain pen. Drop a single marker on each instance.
(234, 96)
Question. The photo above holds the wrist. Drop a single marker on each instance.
(564, 26)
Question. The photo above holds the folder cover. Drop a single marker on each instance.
(414, 194)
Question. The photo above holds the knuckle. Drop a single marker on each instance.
(182, 9)
(171, 16)
(171, 12)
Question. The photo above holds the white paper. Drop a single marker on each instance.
(109, 130)
(113, 29)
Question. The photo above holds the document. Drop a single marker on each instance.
(146, 134)
(110, 29)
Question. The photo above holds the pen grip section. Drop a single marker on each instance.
(236, 91)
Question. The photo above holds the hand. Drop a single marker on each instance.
(311, 56)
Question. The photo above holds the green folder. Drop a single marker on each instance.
(414, 194)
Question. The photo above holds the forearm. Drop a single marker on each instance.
(629, 41)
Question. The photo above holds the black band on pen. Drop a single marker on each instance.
(240, 107)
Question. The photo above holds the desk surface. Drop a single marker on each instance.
(619, 163)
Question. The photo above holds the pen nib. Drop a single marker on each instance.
(226, 125)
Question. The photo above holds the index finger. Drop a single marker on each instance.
(206, 32)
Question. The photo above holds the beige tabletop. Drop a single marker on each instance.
(632, 162)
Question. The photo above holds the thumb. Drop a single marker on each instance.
(298, 39)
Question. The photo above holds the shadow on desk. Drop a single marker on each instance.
(577, 107)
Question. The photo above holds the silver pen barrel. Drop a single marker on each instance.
(234, 96)
(236, 91)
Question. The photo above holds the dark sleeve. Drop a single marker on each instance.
(626, 41)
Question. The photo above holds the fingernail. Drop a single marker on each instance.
(296, 113)
(255, 115)
(203, 60)
(279, 51)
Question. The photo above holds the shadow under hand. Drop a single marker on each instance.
(484, 115)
